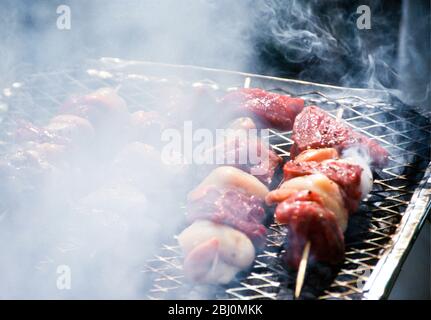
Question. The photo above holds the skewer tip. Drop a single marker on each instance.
(247, 82)
(301, 270)
(340, 112)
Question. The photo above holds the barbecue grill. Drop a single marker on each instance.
(379, 236)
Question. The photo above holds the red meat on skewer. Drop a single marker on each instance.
(346, 175)
(249, 154)
(314, 202)
(270, 109)
(231, 207)
(315, 128)
(309, 220)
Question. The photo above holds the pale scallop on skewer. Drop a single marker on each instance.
(332, 200)
(214, 252)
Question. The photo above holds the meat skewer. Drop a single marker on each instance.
(331, 132)
(315, 128)
(315, 203)
(228, 202)
(226, 213)
(233, 198)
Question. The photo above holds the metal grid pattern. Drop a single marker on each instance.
(406, 136)
(402, 131)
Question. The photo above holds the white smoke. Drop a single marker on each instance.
(96, 223)
(109, 228)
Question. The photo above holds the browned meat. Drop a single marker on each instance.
(63, 129)
(180, 103)
(249, 154)
(347, 176)
(308, 220)
(270, 109)
(103, 108)
(314, 128)
(230, 206)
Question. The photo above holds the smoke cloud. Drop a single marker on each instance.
(100, 226)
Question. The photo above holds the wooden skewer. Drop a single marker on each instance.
(247, 82)
(340, 112)
(301, 270)
(300, 276)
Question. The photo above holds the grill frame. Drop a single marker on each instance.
(377, 284)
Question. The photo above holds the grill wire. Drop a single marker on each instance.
(406, 136)
(398, 128)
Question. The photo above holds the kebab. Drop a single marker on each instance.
(226, 209)
(78, 122)
(226, 213)
(42, 151)
(70, 137)
(320, 190)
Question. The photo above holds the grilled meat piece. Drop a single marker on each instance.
(103, 108)
(315, 199)
(307, 219)
(67, 130)
(248, 153)
(346, 175)
(27, 131)
(72, 129)
(179, 103)
(112, 202)
(26, 169)
(328, 191)
(108, 114)
(269, 109)
(230, 206)
(314, 128)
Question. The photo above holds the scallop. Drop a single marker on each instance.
(328, 190)
(226, 176)
(213, 252)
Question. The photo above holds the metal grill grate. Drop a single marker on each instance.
(373, 232)
(370, 234)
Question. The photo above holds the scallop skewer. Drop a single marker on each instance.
(300, 276)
